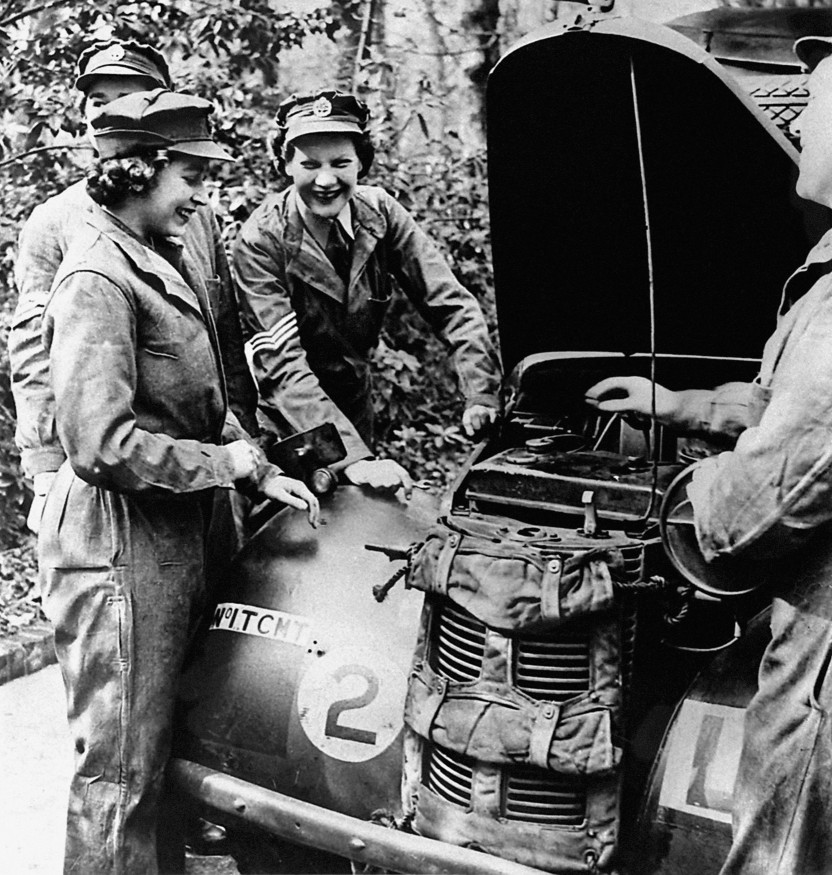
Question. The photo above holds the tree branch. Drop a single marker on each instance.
(16, 158)
(18, 16)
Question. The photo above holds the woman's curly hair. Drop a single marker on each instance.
(110, 181)
(284, 152)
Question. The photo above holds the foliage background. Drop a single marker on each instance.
(421, 64)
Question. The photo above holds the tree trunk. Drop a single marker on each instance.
(482, 19)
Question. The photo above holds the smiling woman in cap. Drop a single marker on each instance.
(316, 267)
(153, 147)
(105, 72)
(141, 413)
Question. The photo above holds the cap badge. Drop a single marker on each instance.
(321, 108)
(115, 53)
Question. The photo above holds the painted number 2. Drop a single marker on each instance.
(333, 728)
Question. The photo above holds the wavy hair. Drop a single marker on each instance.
(110, 181)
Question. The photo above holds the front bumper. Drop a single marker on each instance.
(303, 823)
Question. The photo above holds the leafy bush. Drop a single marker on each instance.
(228, 52)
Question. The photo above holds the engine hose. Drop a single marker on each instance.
(686, 595)
(655, 583)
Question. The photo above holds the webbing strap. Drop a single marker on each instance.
(446, 560)
(543, 731)
(550, 589)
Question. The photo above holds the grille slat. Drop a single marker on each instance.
(448, 775)
(535, 796)
(552, 669)
(459, 646)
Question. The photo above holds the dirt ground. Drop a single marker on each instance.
(19, 601)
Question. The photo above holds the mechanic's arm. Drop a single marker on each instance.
(767, 496)
(289, 390)
(451, 310)
(725, 411)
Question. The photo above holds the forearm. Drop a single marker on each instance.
(725, 411)
(451, 310)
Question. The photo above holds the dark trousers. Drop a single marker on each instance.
(122, 582)
(783, 795)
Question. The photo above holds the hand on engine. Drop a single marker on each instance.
(632, 395)
(380, 474)
(295, 494)
(477, 419)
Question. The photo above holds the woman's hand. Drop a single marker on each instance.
(477, 419)
(295, 494)
(633, 395)
(244, 458)
(380, 474)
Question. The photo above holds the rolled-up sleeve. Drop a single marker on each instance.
(766, 496)
(90, 333)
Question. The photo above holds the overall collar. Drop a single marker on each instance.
(818, 263)
(188, 286)
(305, 258)
(147, 262)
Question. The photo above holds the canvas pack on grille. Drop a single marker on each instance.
(515, 700)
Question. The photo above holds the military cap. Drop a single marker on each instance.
(162, 119)
(811, 50)
(122, 59)
(321, 112)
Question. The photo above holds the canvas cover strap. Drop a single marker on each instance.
(512, 585)
(496, 723)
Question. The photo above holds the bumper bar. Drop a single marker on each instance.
(303, 823)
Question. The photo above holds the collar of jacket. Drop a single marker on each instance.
(304, 257)
(796, 285)
(149, 264)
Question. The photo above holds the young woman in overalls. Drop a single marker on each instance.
(142, 414)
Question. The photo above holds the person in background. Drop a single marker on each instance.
(141, 413)
(770, 500)
(105, 72)
(315, 267)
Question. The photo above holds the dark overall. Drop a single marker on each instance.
(140, 412)
(310, 336)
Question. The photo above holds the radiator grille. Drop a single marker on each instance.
(458, 645)
(529, 795)
(554, 669)
(449, 776)
(534, 796)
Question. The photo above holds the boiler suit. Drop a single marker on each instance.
(140, 412)
(771, 499)
(43, 243)
(310, 337)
